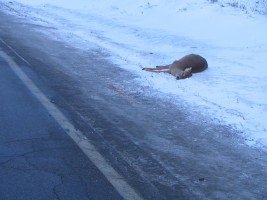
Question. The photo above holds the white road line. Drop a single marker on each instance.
(14, 52)
(124, 189)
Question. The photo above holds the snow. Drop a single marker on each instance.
(231, 35)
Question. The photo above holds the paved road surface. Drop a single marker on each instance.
(185, 158)
(37, 158)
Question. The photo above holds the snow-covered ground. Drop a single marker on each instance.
(230, 34)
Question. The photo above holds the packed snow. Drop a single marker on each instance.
(230, 34)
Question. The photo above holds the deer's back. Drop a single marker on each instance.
(197, 63)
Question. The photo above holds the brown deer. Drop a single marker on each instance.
(184, 67)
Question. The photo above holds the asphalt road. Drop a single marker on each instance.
(37, 158)
(161, 150)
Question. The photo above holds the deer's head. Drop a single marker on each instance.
(184, 74)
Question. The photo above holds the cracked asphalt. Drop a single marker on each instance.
(38, 161)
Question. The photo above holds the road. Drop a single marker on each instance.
(38, 159)
(162, 151)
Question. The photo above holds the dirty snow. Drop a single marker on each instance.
(231, 35)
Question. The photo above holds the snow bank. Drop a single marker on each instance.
(259, 6)
(148, 33)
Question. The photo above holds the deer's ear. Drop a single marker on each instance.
(187, 73)
(188, 69)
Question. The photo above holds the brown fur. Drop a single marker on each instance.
(184, 67)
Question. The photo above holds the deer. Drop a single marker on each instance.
(184, 67)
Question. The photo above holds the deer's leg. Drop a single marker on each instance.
(157, 68)
(163, 67)
(158, 71)
(148, 69)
